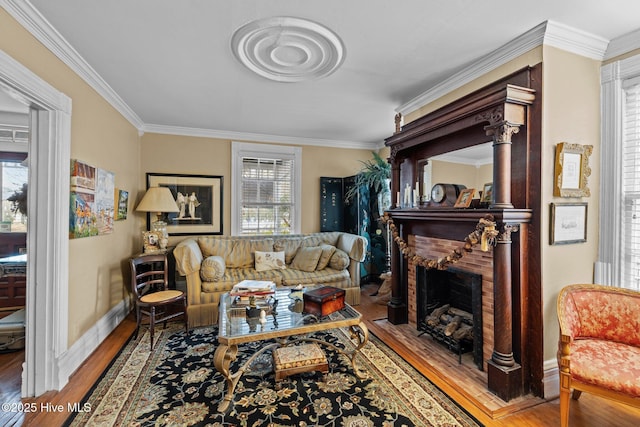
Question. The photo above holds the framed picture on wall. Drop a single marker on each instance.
(568, 223)
(199, 198)
(572, 170)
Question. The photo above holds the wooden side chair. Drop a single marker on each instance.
(149, 284)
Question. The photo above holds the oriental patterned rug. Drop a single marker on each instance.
(177, 385)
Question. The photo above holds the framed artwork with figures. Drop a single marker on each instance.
(199, 199)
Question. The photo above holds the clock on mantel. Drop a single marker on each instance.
(445, 195)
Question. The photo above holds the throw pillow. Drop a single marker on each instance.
(339, 260)
(327, 252)
(269, 261)
(306, 259)
(212, 268)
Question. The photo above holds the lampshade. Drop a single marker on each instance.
(158, 199)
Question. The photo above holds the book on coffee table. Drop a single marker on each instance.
(248, 288)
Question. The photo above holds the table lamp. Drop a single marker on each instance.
(160, 201)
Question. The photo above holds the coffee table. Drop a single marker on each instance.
(284, 323)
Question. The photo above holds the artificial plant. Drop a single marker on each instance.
(375, 175)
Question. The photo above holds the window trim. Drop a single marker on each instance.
(608, 267)
(246, 149)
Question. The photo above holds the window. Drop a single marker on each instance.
(13, 181)
(619, 244)
(265, 189)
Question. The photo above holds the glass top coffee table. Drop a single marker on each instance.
(284, 321)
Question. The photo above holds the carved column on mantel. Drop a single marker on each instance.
(396, 308)
(504, 122)
(504, 374)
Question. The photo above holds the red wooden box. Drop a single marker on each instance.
(323, 301)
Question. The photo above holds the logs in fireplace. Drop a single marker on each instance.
(449, 309)
(451, 327)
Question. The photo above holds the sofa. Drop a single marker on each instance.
(599, 348)
(213, 264)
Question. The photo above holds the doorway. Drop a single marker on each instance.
(47, 365)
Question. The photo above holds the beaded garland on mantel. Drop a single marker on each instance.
(485, 234)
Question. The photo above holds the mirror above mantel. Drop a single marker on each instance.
(470, 166)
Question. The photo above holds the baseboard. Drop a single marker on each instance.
(90, 340)
(551, 379)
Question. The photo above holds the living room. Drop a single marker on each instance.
(101, 131)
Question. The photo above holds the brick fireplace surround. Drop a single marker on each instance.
(473, 262)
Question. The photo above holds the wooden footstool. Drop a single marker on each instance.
(299, 358)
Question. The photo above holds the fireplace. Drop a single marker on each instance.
(449, 309)
(507, 112)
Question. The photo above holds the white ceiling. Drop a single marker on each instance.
(171, 62)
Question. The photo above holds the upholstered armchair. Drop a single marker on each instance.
(599, 348)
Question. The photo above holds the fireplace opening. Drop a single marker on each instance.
(449, 309)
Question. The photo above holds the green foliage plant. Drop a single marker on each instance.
(373, 175)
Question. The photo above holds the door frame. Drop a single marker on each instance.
(47, 305)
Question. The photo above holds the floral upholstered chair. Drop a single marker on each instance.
(599, 348)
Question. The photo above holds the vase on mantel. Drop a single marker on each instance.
(384, 197)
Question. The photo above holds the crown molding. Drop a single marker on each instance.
(623, 44)
(256, 137)
(575, 41)
(33, 21)
(547, 33)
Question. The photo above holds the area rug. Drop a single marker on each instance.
(177, 385)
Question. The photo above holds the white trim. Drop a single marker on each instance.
(575, 41)
(47, 239)
(90, 340)
(551, 379)
(549, 33)
(33, 21)
(623, 44)
(609, 262)
(245, 149)
(247, 136)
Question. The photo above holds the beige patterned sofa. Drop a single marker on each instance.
(213, 264)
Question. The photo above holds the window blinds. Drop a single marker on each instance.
(267, 195)
(631, 186)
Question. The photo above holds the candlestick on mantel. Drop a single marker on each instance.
(398, 199)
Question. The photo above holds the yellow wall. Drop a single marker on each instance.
(101, 137)
(468, 175)
(170, 154)
(571, 113)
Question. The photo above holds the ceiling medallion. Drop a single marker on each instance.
(287, 49)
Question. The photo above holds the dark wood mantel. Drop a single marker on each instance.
(506, 113)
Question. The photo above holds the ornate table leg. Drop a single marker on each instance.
(222, 359)
(360, 334)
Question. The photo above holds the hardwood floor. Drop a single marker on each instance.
(589, 411)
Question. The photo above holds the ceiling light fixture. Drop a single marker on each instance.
(287, 49)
